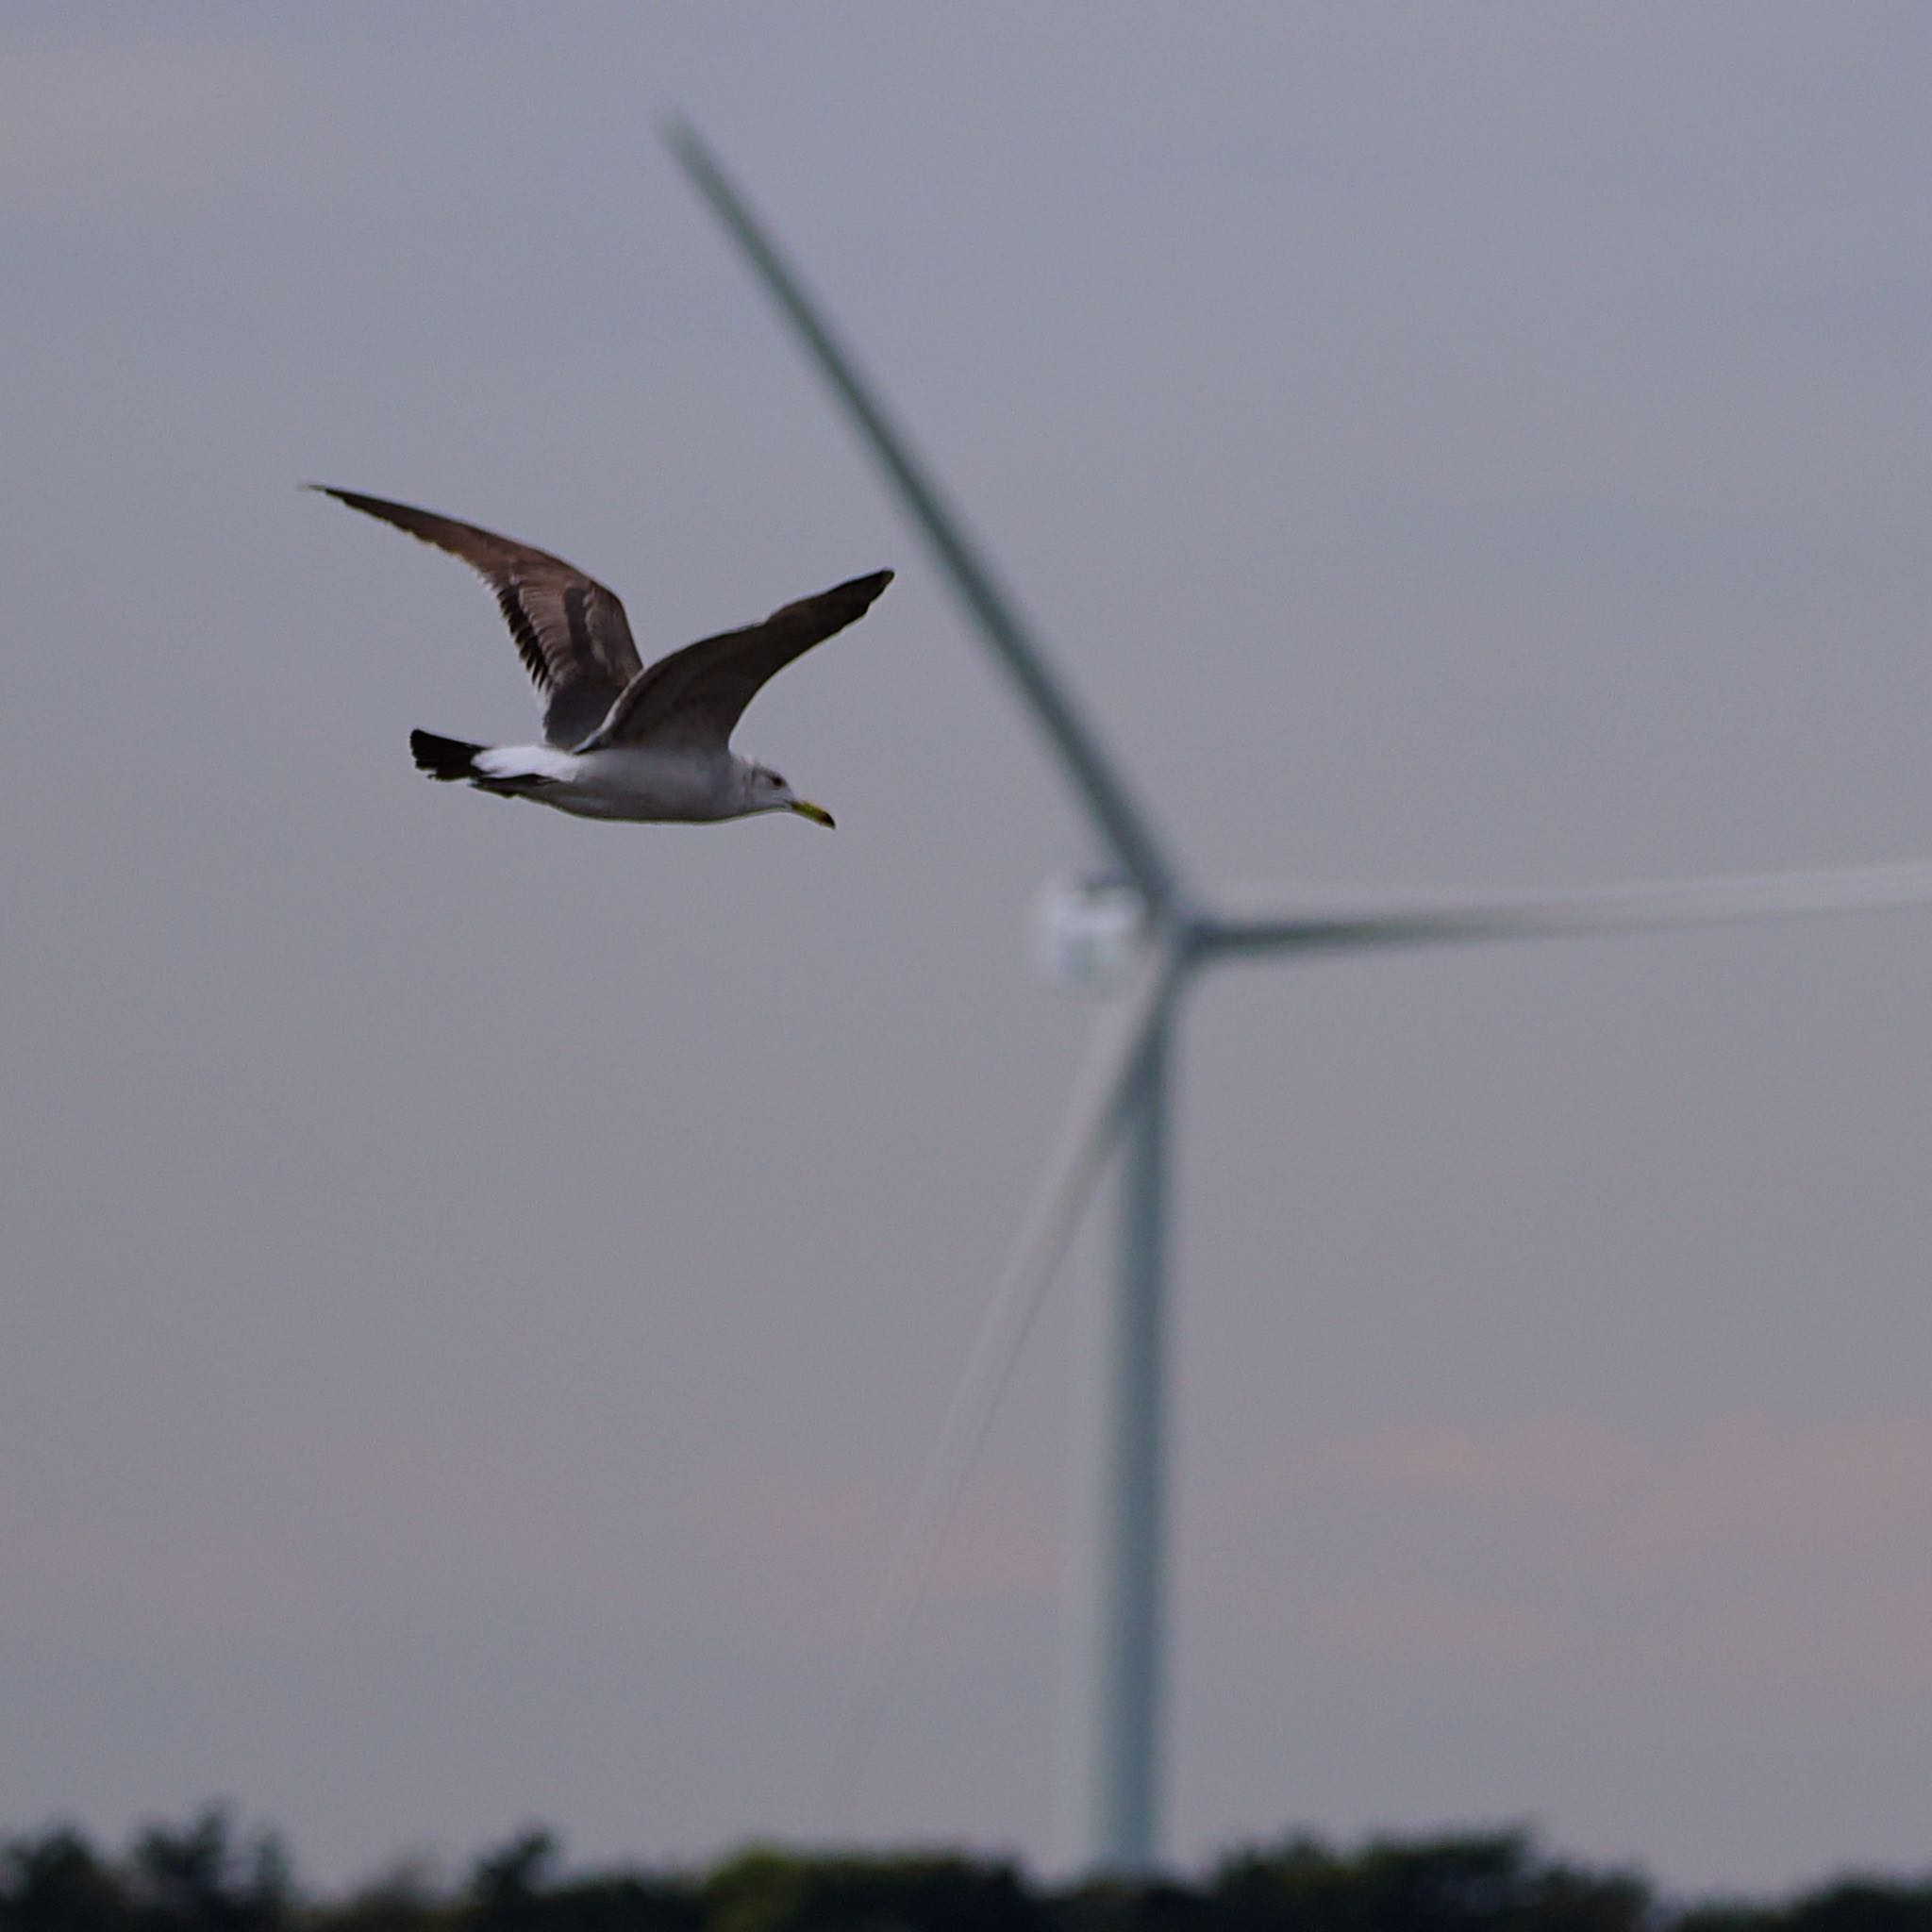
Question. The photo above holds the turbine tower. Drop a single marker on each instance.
(1141, 935)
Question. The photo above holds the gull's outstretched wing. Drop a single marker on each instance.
(696, 696)
(569, 631)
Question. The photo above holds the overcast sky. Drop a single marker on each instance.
(479, 1281)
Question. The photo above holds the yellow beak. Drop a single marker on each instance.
(816, 813)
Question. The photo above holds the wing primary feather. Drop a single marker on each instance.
(529, 648)
(575, 615)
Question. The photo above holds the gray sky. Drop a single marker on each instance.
(480, 1281)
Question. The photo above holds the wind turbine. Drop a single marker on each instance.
(1142, 933)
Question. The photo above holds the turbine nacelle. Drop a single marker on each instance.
(1085, 933)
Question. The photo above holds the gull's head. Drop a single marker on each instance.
(770, 792)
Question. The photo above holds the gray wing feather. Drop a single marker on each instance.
(695, 697)
(569, 631)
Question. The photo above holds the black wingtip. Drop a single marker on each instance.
(370, 506)
(373, 505)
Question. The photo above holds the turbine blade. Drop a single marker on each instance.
(1073, 1164)
(1431, 919)
(1121, 823)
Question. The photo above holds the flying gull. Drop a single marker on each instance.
(621, 741)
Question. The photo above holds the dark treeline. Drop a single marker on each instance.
(209, 1877)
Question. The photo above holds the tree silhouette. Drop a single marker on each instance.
(204, 1877)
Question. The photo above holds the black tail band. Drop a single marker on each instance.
(443, 757)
